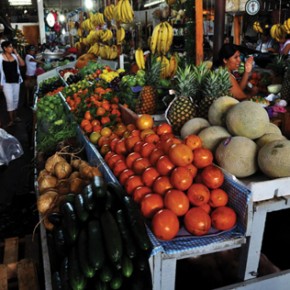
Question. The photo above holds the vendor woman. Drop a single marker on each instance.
(229, 57)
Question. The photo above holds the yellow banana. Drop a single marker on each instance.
(286, 25)
(129, 14)
(169, 37)
(160, 39)
(139, 57)
(154, 37)
(120, 35)
(172, 66)
(164, 67)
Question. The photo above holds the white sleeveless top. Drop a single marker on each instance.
(284, 45)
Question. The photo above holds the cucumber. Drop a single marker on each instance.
(59, 241)
(112, 237)
(99, 187)
(96, 249)
(83, 254)
(77, 279)
(127, 266)
(88, 197)
(129, 244)
(100, 285)
(81, 211)
(56, 281)
(137, 224)
(116, 281)
(106, 274)
(70, 223)
(55, 218)
(64, 273)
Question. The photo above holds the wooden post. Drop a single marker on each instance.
(199, 31)
(237, 29)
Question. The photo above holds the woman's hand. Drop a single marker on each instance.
(249, 64)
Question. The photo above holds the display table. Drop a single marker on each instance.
(283, 121)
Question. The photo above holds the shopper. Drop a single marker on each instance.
(10, 62)
(285, 45)
(266, 44)
(30, 76)
(229, 57)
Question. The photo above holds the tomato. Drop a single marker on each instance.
(202, 157)
(144, 121)
(150, 204)
(161, 185)
(193, 141)
(165, 224)
(132, 183)
(114, 158)
(118, 167)
(113, 143)
(163, 128)
(131, 157)
(163, 165)
(120, 147)
(218, 197)
(147, 149)
(177, 201)
(140, 164)
(223, 218)
(130, 142)
(212, 176)
(180, 154)
(197, 221)
(88, 116)
(149, 175)
(155, 154)
(181, 178)
(124, 175)
(140, 192)
(198, 194)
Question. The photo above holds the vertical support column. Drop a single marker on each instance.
(40, 12)
(237, 29)
(199, 31)
(219, 26)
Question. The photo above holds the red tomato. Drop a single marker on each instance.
(212, 176)
(202, 157)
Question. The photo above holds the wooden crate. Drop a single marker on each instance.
(20, 261)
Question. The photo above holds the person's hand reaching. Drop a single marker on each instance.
(249, 64)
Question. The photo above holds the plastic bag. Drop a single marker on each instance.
(10, 148)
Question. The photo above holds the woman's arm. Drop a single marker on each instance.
(286, 49)
(236, 90)
(246, 74)
(19, 58)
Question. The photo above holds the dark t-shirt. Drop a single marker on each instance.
(10, 71)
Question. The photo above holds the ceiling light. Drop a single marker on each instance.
(89, 4)
(152, 3)
(20, 2)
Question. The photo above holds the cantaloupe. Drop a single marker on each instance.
(266, 138)
(212, 136)
(273, 128)
(274, 159)
(238, 156)
(247, 119)
(218, 109)
(193, 126)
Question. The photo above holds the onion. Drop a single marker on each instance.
(51, 161)
(47, 224)
(74, 174)
(63, 186)
(42, 173)
(62, 169)
(76, 185)
(86, 171)
(75, 163)
(46, 201)
(46, 182)
(96, 171)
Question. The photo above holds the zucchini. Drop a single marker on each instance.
(77, 279)
(129, 243)
(99, 187)
(100, 285)
(141, 261)
(106, 273)
(88, 197)
(137, 224)
(70, 222)
(55, 218)
(83, 254)
(112, 237)
(81, 211)
(56, 281)
(59, 241)
(127, 266)
(116, 281)
(96, 249)
(64, 276)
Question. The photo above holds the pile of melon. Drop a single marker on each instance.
(242, 138)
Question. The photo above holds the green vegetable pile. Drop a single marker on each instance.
(54, 123)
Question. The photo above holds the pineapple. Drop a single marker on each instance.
(182, 107)
(147, 102)
(215, 84)
(285, 90)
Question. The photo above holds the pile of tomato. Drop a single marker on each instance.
(173, 180)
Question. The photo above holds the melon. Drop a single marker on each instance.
(247, 119)
(218, 109)
(193, 126)
(238, 156)
(266, 138)
(273, 128)
(274, 159)
(212, 136)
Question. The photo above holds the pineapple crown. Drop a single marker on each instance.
(153, 69)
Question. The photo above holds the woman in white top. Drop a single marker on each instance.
(10, 62)
(285, 45)
(266, 43)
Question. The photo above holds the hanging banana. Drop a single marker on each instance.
(139, 58)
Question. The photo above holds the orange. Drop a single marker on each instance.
(218, 197)
(140, 192)
(180, 154)
(177, 201)
(197, 221)
(132, 183)
(193, 141)
(181, 178)
(150, 204)
(223, 218)
(145, 121)
(165, 225)
(161, 185)
(198, 194)
(149, 175)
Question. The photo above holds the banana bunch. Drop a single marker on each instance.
(106, 35)
(109, 11)
(139, 58)
(97, 19)
(80, 32)
(277, 31)
(94, 49)
(168, 66)
(286, 26)
(87, 25)
(108, 52)
(257, 27)
(120, 35)
(93, 36)
(161, 39)
(123, 12)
